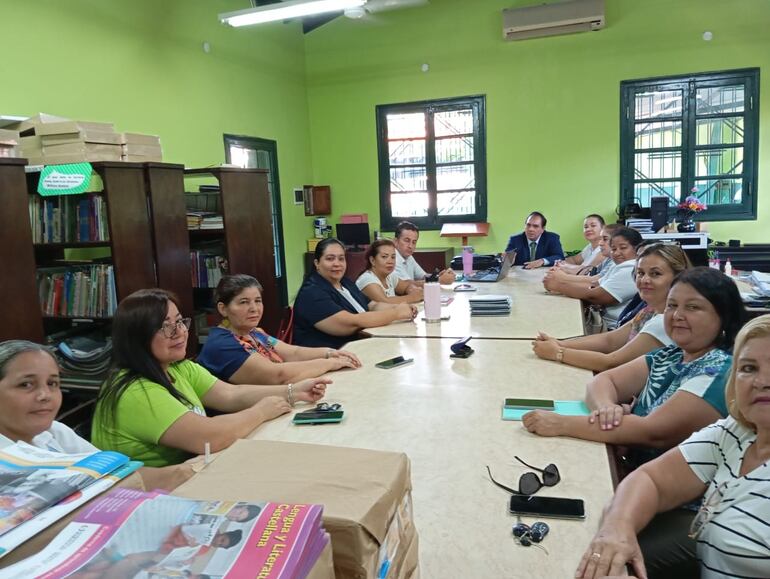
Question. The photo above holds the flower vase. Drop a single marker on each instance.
(686, 225)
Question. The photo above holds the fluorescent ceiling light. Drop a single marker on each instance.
(286, 10)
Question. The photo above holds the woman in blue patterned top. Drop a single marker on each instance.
(658, 400)
(655, 402)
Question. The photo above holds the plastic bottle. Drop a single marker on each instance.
(728, 267)
(467, 260)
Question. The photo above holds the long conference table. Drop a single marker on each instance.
(445, 414)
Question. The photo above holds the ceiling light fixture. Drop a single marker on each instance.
(285, 11)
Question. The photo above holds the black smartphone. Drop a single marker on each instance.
(394, 362)
(318, 417)
(547, 507)
(528, 404)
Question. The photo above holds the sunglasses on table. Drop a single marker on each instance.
(529, 482)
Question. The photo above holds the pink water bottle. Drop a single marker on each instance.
(467, 260)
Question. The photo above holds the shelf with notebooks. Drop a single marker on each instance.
(229, 229)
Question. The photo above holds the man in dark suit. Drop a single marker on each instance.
(535, 247)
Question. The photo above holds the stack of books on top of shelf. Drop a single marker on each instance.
(166, 536)
(10, 143)
(138, 148)
(67, 219)
(641, 225)
(86, 291)
(490, 305)
(51, 140)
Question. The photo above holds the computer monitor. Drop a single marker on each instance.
(354, 234)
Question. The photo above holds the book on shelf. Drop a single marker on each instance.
(38, 487)
(68, 219)
(80, 291)
(150, 534)
(207, 268)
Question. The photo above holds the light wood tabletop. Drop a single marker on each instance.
(445, 414)
(532, 310)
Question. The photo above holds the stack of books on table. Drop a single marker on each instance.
(39, 487)
(131, 533)
(204, 220)
(490, 305)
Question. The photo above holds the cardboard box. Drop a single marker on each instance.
(82, 149)
(82, 136)
(143, 150)
(140, 139)
(354, 218)
(142, 158)
(366, 496)
(9, 138)
(69, 127)
(27, 127)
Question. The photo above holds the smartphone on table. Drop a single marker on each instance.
(529, 404)
(556, 507)
(318, 417)
(394, 362)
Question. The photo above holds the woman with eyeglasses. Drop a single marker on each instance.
(152, 406)
(239, 351)
(615, 288)
(30, 399)
(656, 267)
(728, 463)
(330, 310)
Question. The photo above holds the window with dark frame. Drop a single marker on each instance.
(694, 135)
(432, 162)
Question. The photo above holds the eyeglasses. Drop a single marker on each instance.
(326, 407)
(169, 329)
(707, 510)
(529, 482)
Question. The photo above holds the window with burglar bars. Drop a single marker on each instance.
(432, 162)
(692, 135)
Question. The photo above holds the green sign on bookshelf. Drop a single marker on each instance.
(68, 179)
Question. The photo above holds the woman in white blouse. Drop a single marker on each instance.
(729, 461)
(590, 255)
(30, 399)
(656, 267)
(379, 281)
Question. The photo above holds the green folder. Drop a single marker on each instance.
(563, 407)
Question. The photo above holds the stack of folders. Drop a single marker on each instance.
(490, 305)
(641, 225)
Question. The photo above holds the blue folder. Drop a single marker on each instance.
(563, 407)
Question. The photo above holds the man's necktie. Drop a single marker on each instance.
(532, 250)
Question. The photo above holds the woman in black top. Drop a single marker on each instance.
(330, 310)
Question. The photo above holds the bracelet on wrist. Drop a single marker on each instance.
(560, 355)
(290, 394)
(328, 353)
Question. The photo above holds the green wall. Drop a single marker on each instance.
(140, 64)
(552, 104)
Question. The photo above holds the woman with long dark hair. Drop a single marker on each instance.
(152, 407)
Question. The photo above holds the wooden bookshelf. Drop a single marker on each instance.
(247, 235)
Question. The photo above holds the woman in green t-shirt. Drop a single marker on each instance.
(152, 407)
